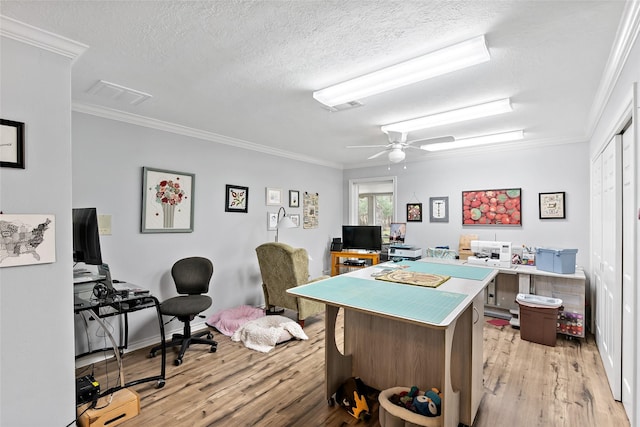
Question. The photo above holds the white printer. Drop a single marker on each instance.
(404, 252)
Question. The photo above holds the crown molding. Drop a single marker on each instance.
(42, 39)
(625, 38)
(135, 119)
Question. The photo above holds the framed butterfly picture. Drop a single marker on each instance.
(236, 199)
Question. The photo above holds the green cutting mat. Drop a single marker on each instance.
(407, 302)
(460, 271)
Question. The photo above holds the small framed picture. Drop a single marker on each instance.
(551, 205)
(273, 196)
(272, 221)
(414, 212)
(438, 209)
(294, 199)
(295, 218)
(11, 144)
(236, 198)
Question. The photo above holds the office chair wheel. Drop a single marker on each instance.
(213, 349)
(209, 336)
(178, 361)
(152, 354)
(160, 384)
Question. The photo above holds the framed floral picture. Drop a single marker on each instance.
(295, 218)
(167, 201)
(236, 198)
(414, 212)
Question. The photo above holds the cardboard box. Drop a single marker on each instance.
(124, 405)
(561, 261)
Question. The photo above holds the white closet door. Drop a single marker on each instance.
(596, 247)
(609, 321)
(629, 254)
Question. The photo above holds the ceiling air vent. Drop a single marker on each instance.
(119, 93)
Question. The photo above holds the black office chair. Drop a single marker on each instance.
(191, 276)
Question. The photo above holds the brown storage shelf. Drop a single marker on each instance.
(339, 257)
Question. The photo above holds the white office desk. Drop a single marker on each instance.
(527, 279)
(405, 335)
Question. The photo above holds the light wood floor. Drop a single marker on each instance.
(525, 384)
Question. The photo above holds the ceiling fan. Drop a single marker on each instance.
(398, 142)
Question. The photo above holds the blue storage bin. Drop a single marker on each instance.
(561, 261)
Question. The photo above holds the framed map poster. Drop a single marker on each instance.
(28, 239)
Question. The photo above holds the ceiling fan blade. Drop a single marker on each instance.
(376, 155)
(367, 146)
(435, 140)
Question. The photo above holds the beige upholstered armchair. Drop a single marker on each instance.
(283, 267)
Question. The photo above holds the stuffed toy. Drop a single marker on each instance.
(430, 404)
(352, 396)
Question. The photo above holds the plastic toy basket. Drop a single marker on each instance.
(392, 415)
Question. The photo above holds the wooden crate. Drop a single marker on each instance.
(124, 405)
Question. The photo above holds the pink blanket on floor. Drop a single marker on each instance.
(229, 320)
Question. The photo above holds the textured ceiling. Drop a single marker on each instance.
(244, 71)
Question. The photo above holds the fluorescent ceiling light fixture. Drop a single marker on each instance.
(442, 61)
(476, 140)
(454, 116)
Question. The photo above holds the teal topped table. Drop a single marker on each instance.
(405, 335)
(412, 303)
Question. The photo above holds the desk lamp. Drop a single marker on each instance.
(285, 222)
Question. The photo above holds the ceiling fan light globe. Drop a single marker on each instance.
(396, 156)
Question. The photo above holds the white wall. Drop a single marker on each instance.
(534, 170)
(37, 384)
(108, 157)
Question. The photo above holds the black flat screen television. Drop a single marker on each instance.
(365, 237)
(86, 238)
